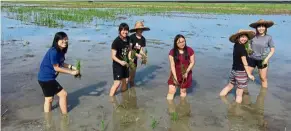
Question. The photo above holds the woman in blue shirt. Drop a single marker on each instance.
(51, 65)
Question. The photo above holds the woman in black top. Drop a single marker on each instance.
(137, 43)
(119, 55)
(240, 70)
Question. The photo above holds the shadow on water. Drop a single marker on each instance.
(247, 115)
(179, 115)
(92, 90)
(126, 114)
(147, 74)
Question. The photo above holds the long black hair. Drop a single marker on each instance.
(176, 48)
(60, 36)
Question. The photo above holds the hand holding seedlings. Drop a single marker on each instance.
(78, 68)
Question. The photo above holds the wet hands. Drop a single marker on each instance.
(265, 62)
(251, 77)
(139, 56)
(123, 63)
(185, 75)
(75, 72)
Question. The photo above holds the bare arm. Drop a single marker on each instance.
(69, 66)
(57, 68)
(172, 65)
(129, 55)
(272, 51)
(245, 62)
(113, 56)
(192, 63)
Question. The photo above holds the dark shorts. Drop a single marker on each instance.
(50, 88)
(239, 78)
(119, 71)
(256, 63)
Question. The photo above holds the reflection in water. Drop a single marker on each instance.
(126, 114)
(248, 115)
(179, 115)
(49, 124)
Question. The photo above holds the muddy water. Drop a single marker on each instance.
(144, 107)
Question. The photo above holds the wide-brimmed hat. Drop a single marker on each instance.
(139, 25)
(266, 23)
(249, 33)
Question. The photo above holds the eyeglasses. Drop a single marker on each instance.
(179, 42)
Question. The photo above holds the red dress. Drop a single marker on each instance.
(187, 82)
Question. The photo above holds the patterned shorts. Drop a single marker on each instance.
(239, 78)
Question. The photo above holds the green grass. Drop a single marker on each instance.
(168, 6)
(225, 8)
(56, 13)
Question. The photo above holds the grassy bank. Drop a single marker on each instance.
(234, 8)
(54, 14)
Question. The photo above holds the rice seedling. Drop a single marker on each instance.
(124, 58)
(102, 125)
(78, 67)
(144, 57)
(131, 63)
(174, 116)
(154, 123)
(248, 48)
(183, 69)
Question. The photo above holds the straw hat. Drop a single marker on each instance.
(139, 25)
(262, 22)
(249, 33)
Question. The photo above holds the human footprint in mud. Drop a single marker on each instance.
(51, 65)
(240, 70)
(119, 55)
(182, 60)
(138, 43)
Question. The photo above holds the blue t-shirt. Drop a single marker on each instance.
(47, 71)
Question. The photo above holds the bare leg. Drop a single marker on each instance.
(114, 87)
(183, 92)
(63, 101)
(263, 76)
(47, 104)
(132, 77)
(226, 89)
(171, 93)
(239, 93)
(251, 69)
(124, 83)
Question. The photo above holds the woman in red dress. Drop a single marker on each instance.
(181, 62)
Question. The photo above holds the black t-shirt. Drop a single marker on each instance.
(121, 47)
(134, 41)
(238, 51)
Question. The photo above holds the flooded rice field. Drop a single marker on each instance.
(144, 107)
